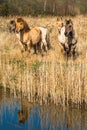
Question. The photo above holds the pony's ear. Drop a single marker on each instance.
(19, 19)
(61, 18)
(57, 19)
(65, 20)
(71, 21)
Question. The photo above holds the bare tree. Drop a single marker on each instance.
(45, 4)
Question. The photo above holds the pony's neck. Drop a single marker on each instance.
(70, 37)
(62, 31)
(21, 36)
(26, 27)
(61, 35)
(25, 30)
(71, 34)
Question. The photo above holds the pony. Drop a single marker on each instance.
(12, 27)
(28, 36)
(70, 34)
(44, 41)
(66, 36)
(62, 39)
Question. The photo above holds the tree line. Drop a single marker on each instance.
(42, 7)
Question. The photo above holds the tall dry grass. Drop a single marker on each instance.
(51, 78)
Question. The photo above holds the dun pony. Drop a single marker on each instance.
(62, 39)
(28, 36)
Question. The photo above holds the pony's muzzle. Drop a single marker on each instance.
(66, 34)
(11, 30)
(59, 31)
(17, 31)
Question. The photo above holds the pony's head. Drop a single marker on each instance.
(21, 25)
(21, 116)
(12, 26)
(68, 28)
(60, 24)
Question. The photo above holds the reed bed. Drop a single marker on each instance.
(63, 82)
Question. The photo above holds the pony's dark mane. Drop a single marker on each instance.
(26, 27)
(69, 21)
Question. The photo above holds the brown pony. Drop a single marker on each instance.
(27, 36)
(70, 34)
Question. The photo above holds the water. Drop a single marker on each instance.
(16, 113)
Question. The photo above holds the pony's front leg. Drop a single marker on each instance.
(35, 49)
(21, 48)
(28, 47)
(61, 47)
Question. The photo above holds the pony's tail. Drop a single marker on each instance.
(48, 41)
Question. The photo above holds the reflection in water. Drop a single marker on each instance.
(17, 113)
(24, 112)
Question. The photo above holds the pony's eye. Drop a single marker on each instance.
(70, 26)
(21, 23)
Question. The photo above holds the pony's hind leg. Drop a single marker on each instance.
(25, 47)
(41, 48)
(35, 49)
(45, 46)
(74, 51)
(47, 39)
